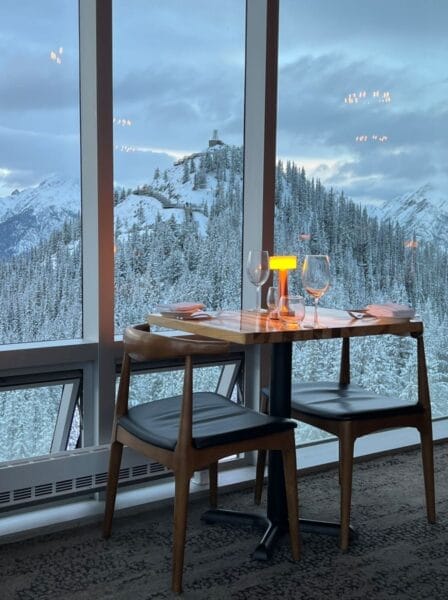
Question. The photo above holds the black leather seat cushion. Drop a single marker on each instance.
(216, 420)
(332, 400)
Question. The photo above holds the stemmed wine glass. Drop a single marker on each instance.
(257, 269)
(316, 278)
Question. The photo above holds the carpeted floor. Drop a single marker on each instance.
(397, 554)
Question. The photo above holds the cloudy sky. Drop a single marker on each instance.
(177, 78)
(329, 50)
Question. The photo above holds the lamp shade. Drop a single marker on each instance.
(282, 263)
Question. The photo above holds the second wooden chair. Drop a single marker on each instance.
(348, 411)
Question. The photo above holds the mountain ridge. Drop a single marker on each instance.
(423, 213)
(187, 189)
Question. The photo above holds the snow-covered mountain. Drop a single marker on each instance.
(29, 216)
(177, 192)
(187, 189)
(423, 213)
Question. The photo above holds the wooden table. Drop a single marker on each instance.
(245, 327)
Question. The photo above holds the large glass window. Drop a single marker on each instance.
(178, 134)
(362, 173)
(39, 172)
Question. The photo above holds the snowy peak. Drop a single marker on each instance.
(423, 213)
(54, 193)
(31, 215)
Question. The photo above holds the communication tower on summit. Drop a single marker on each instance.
(215, 141)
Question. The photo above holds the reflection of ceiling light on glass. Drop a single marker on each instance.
(124, 148)
(56, 56)
(365, 97)
(122, 122)
(362, 139)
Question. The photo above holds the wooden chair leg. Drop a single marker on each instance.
(346, 469)
(213, 484)
(259, 477)
(116, 451)
(182, 488)
(290, 472)
(428, 470)
(339, 461)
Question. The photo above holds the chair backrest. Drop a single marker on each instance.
(423, 397)
(143, 345)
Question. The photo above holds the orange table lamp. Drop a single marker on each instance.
(282, 264)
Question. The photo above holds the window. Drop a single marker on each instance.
(178, 132)
(40, 201)
(39, 417)
(362, 175)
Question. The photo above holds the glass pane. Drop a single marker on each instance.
(178, 134)
(39, 171)
(28, 420)
(362, 173)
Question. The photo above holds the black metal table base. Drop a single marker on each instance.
(272, 531)
(234, 517)
(324, 528)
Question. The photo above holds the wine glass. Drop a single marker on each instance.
(272, 302)
(316, 278)
(257, 269)
(291, 310)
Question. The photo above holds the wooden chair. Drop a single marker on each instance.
(191, 432)
(348, 411)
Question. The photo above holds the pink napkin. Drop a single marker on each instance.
(390, 310)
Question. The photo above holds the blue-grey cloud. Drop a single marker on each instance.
(179, 74)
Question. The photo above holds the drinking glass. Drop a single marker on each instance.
(316, 278)
(272, 302)
(291, 310)
(257, 269)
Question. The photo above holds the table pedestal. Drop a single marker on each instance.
(276, 522)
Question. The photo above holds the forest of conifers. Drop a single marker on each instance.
(168, 260)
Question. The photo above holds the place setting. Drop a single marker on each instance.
(392, 311)
(183, 311)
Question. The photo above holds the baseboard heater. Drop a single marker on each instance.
(68, 473)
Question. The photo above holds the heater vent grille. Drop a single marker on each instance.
(157, 468)
(125, 473)
(4, 497)
(140, 470)
(22, 494)
(43, 490)
(100, 479)
(79, 483)
(64, 486)
(83, 482)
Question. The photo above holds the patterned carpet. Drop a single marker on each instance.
(397, 554)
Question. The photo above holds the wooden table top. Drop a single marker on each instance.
(246, 327)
